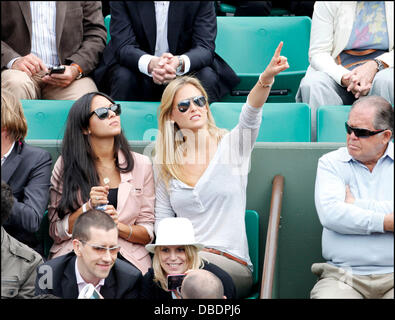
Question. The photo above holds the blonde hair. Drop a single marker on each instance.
(12, 117)
(170, 143)
(194, 262)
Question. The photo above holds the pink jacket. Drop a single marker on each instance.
(136, 197)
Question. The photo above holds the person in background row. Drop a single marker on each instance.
(351, 54)
(202, 284)
(97, 168)
(27, 170)
(176, 253)
(18, 261)
(93, 261)
(194, 160)
(154, 41)
(354, 198)
(38, 35)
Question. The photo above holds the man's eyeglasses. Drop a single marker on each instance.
(184, 105)
(102, 113)
(361, 133)
(102, 250)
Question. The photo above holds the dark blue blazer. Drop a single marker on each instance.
(192, 29)
(27, 171)
(123, 281)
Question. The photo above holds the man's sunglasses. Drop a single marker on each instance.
(361, 133)
(102, 250)
(102, 113)
(184, 105)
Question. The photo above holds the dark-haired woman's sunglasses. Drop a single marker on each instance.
(361, 133)
(102, 113)
(184, 105)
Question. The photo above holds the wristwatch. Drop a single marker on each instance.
(181, 63)
(380, 65)
(79, 70)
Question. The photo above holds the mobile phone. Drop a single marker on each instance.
(56, 69)
(89, 292)
(174, 281)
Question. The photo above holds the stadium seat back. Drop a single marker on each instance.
(139, 120)
(281, 122)
(330, 123)
(46, 119)
(247, 44)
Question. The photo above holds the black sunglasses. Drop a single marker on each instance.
(361, 133)
(184, 105)
(102, 113)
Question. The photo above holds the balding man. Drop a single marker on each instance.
(354, 197)
(202, 284)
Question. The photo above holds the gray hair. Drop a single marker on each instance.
(384, 116)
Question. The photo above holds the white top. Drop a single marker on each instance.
(216, 205)
(353, 234)
(331, 28)
(162, 45)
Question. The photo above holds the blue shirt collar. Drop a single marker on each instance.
(345, 156)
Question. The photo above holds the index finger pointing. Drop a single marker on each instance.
(278, 50)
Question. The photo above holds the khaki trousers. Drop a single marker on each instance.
(25, 87)
(339, 283)
(241, 275)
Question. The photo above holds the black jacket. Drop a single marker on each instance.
(123, 281)
(192, 29)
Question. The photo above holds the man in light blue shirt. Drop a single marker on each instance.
(355, 204)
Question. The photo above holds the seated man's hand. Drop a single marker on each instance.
(359, 80)
(162, 68)
(62, 79)
(30, 64)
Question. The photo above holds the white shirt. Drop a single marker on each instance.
(353, 234)
(4, 158)
(216, 205)
(43, 42)
(162, 45)
(81, 282)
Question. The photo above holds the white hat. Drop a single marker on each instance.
(174, 232)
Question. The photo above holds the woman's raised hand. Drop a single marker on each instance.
(277, 64)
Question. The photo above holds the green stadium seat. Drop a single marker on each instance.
(248, 43)
(139, 120)
(252, 230)
(227, 8)
(282, 122)
(330, 123)
(46, 119)
(107, 20)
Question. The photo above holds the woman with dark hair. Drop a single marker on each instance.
(97, 169)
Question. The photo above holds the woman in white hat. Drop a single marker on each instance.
(176, 252)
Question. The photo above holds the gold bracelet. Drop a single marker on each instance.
(263, 85)
(130, 233)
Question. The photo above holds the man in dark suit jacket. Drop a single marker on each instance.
(43, 34)
(94, 261)
(27, 170)
(151, 43)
